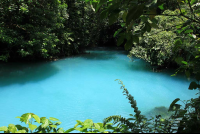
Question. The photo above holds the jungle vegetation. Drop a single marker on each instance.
(162, 32)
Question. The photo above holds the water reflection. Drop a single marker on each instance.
(22, 73)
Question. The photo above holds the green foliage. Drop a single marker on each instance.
(44, 125)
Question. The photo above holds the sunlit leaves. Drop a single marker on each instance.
(3, 128)
(32, 127)
(53, 119)
(37, 118)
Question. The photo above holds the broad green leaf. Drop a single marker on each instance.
(12, 128)
(122, 24)
(128, 45)
(3, 128)
(69, 130)
(161, 7)
(25, 118)
(45, 123)
(84, 129)
(172, 104)
(189, 31)
(135, 38)
(54, 126)
(97, 126)
(102, 2)
(184, 62)
(193, 1)
(193, 85)
(128, 35)
(53, 119)
(103, 14)
(117, 32)
(32, 127)
(120, 40)
(134, 13)
(37, 118)
(58, 123)
(187, 73)
(178, 42)
(60, 130)
(88, 123)
(17, 117)
(113, 7)
(124, 16)
(113, 17)
(148, 26)
(21, 131)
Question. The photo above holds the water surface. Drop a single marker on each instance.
(83, 87)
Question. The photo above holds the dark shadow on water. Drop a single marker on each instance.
(103, 53)
(22, 73)
(98, 56)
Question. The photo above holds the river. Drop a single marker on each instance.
(84, 87)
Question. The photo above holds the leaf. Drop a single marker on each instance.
(69, 130)
(193, 85)
(19, 127)
(120, 40)
(78, 123)
(88, 123)
(128, 45)
(184, 62)
(179, 60)
(21, 131)
(45, 123)
(124, 16)
(103, 14)
(161, 7)
(117, 32)
(25, 118)
(53, 119)
(54, 126)
(113, 17)
(178, 42)
(187, 73)
(97, 126)
(3, 128)
(189, 31)
(102, 2)
(148, 26)
(172, 104)
(12, 128)
(134, 13)
(32, 127)
(135, 38)
(37, 118)
(60, 130)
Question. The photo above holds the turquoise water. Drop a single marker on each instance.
(83, 87)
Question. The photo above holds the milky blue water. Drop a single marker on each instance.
(83, 87)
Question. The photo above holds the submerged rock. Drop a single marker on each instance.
(162, 110)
